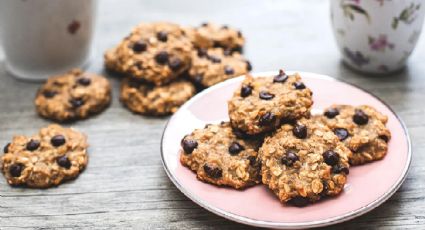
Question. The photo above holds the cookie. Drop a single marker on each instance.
(261, 104)
(54, 155)
(211, 66)
(220, 157)
(304, 162)
(362, 129)
(210, 35)
(73, 95)
(154, 52)
(147, 99)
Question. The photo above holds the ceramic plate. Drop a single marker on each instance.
(367, 187)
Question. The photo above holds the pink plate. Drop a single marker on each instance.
(367, 187)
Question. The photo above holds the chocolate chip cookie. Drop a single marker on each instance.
(261, 104)
(160, 100)
(52, 156)
(212, 66)
(210, 35)
(361, 128)
(73, 95)
(220, 157)
(304, 162)
(155, 52)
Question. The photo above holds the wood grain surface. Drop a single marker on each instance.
(125, 185)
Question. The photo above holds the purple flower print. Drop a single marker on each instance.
(356, 57)
(380, 43)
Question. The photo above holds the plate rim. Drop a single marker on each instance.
(288, 225)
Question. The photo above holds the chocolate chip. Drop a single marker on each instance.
(330, 157)
(235, 148)
(360, 117)
(290, 158)
(189, 145)
(331, 113)
(281, 77)
(162, 36)
(49, 93)
(341, 133)
(217, 44)
(204, 24)
(76, 102)
(161, 57)
(227, 52)
(225, 27)
(15, 170)
(299, 85)
(6, 148)
(57, 140)
(214, 59)
(266, 95)
(246, 90)
(175, 64)
(33, 145)
(384, 137)
(198, 79)
(266, 119)
(84, 81)
(240, 134)
(299, 201)
(237, 49)
(139, 46)
(212, 171)
(340, 169)
(300, 131)
(239, 34)
(63, 161)
(248, 66)
(202, 52)
(228, 70)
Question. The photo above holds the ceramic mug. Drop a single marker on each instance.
(43, 37)
(377, 36)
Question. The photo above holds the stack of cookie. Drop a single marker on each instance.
(163, 62)
(273, 138)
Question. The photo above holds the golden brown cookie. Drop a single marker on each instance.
(211, 35)
(362, 129)
(220, 157)
(211, 66)
(52, 156)
(155, 52)
(73, 95)
(304, 162)
(261, 104)
(150, 100)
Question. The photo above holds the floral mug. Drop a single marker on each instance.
(377, 36)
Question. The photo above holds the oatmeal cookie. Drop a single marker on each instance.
(304, 162)
(210, 35)
(220, 157)
(261, 104)
(52, 156)
(212, 66)
(362, 129)
(155, 52)
(73, 95)
(150, 100)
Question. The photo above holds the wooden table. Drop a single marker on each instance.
(125, 185)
